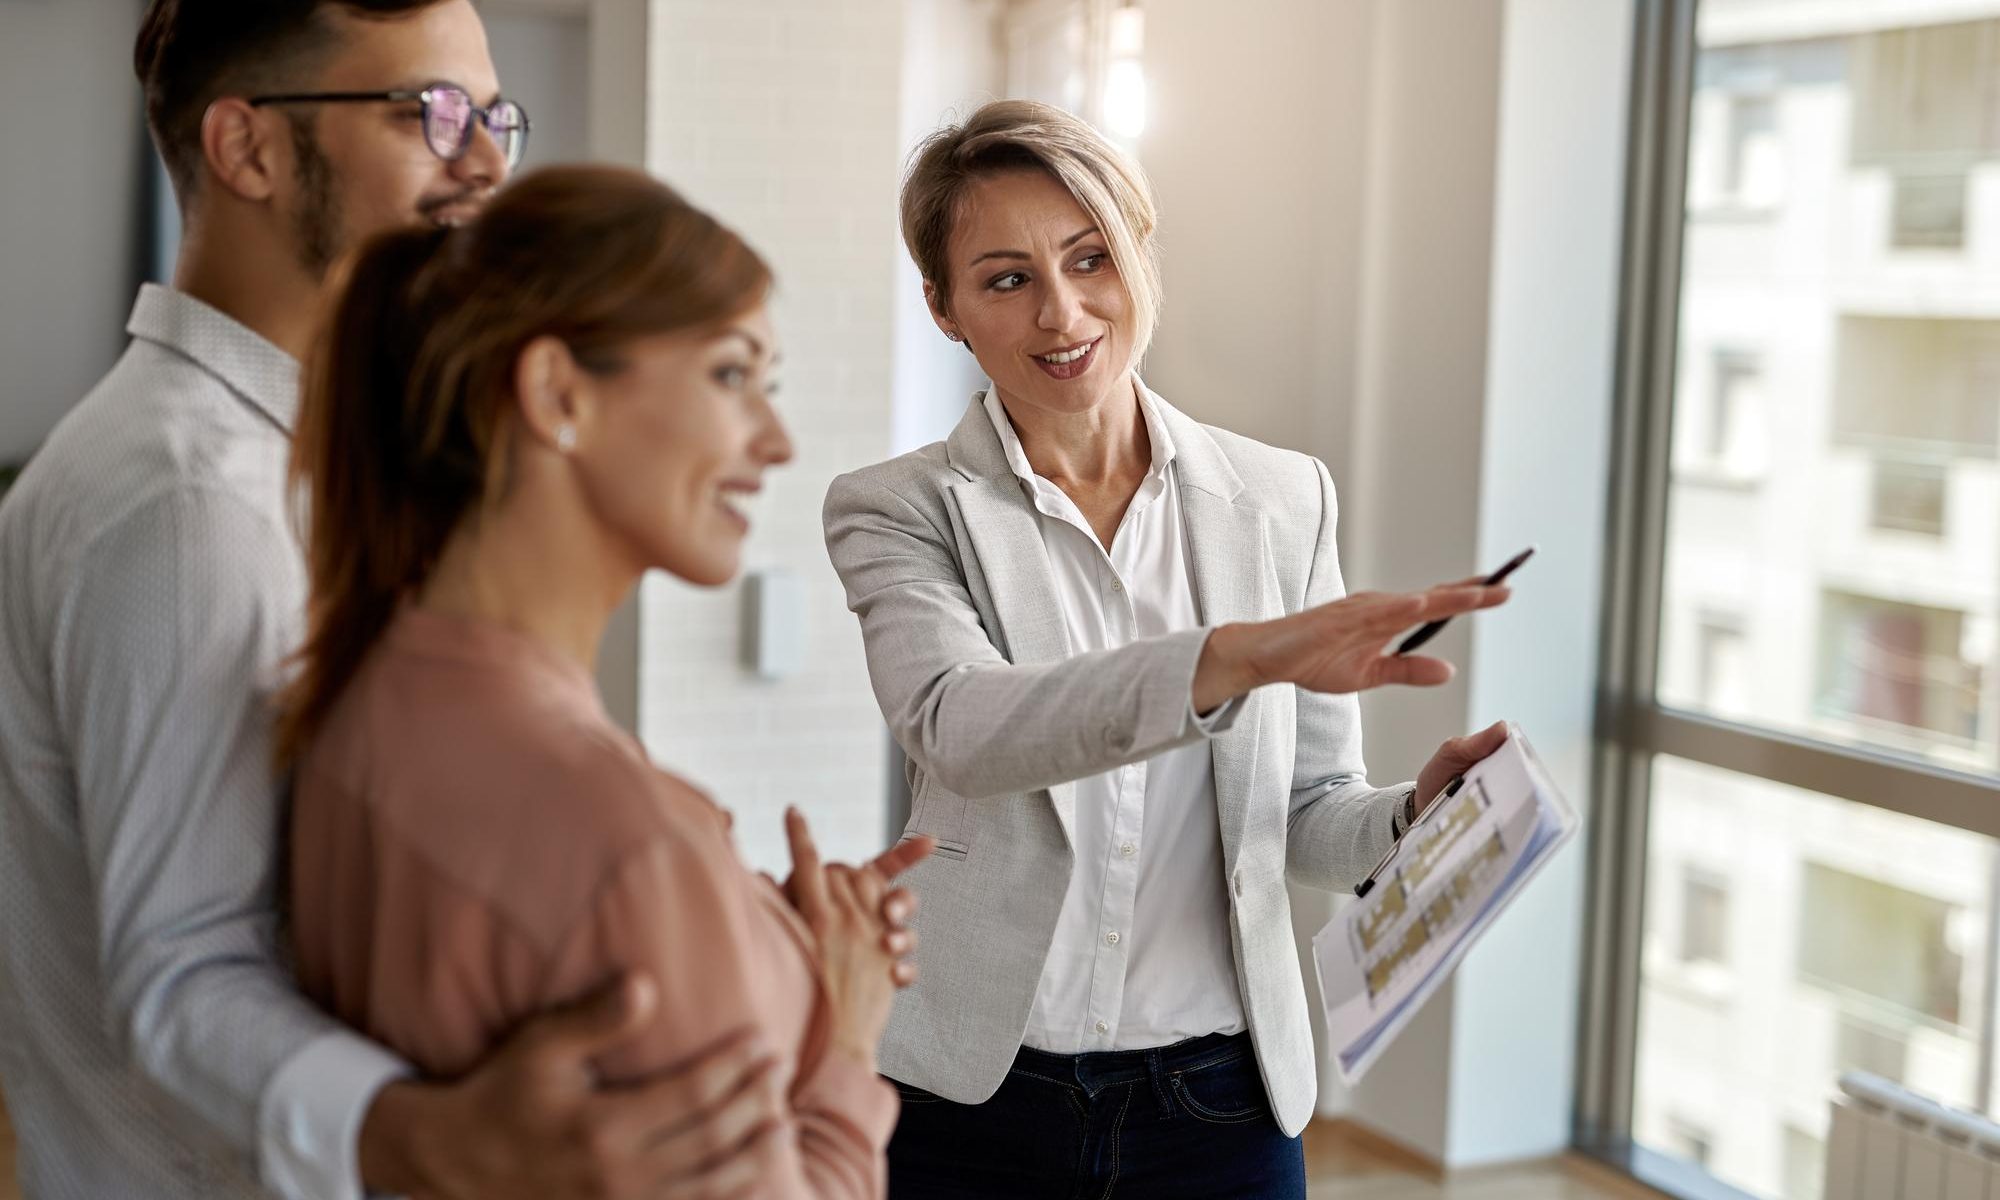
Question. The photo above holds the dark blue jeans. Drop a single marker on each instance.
(1188, 1120)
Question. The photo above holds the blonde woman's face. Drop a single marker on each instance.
(681, 440)
(1035, 294)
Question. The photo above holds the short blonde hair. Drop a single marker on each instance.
(1007, 135)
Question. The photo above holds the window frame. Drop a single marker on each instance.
(1632, 725)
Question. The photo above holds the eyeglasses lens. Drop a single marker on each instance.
(509, 127)
(447, 118)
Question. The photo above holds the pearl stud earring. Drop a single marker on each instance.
(566, 438)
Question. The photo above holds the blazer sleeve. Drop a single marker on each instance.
(976, 723)
(1339, 825)
(683, 910)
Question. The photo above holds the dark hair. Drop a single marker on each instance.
(191, 53)
(404, 426)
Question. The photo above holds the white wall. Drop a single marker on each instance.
(1390, 230)
(951, 65)
(783, 118)
(1545, 473)
(72, 143)
(1255, 124)
(792, 120)
(544, 64)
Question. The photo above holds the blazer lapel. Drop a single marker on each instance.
(1006, 538)
(1227, 548)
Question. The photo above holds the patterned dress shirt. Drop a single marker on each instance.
(152, 1042)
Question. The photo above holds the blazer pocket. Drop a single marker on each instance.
(944, 816)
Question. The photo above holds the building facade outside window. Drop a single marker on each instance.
(1814, 582)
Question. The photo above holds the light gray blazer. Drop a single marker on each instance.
(942, 558)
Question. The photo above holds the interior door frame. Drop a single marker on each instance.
(619, 33)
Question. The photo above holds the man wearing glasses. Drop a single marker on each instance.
(151, 1040)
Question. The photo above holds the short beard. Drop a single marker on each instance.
(317, 225)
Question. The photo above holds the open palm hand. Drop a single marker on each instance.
(1343, 646)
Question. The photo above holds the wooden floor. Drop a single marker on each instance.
(8, 1191)
(1342, 1163)
(1347, 1163)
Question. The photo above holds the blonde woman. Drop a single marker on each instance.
(1115, 645)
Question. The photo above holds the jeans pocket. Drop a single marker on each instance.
(1224, 1093)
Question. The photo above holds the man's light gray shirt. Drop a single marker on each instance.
(152, 1042)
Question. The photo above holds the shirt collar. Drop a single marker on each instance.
(1017, 458)
(248, 364)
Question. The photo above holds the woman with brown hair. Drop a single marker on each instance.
(507, 424)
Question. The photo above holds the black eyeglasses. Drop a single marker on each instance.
(449, 114)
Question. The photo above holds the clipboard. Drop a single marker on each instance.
(1439, 888)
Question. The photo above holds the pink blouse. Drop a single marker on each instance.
(474, 842)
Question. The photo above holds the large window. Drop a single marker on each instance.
(1798, 859)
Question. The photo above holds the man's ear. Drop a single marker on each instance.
(243, 149)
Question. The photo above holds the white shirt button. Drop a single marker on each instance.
(1117, 586)
(1101, 1027)
(1128, 849)
(1112, 937)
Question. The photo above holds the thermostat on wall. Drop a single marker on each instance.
(774, 623)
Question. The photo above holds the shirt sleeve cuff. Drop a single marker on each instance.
(1222, 716)
(1219, 719)
(309, 1120)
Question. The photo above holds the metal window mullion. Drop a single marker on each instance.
(1611, 1027)
(1989, 993)
(1960, 800)
(1655, 201)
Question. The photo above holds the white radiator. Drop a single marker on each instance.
(1888, 1143)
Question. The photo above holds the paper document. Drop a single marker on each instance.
(1450, 876)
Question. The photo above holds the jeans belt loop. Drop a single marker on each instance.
(1156, 1075)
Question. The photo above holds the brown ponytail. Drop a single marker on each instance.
(402, 427)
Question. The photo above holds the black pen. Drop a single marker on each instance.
(1498, 577)
(1450, 789)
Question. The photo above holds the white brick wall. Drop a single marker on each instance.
(781, 117)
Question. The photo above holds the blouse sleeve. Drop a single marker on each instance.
(685, 910)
